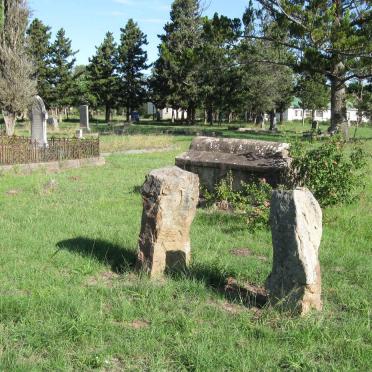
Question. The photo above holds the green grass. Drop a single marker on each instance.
(71, 300)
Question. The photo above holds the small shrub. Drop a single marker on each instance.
(253, 200)
(331, 172)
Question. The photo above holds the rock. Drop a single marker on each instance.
(213, 158)
(170, 196)
(296, 224)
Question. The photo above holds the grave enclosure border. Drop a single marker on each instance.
(22, 150)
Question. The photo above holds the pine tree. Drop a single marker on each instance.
(178, 57)
(81, 91)
(329, 37)
(219, 77)
(62, 62)
(313, 92)
(16, 68)
(103, 76)
(39, 49)
(131, 67)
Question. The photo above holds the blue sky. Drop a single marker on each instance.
(87, 21)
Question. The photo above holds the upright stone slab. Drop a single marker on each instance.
(84, 117)
(170, 197)
(39, 116)
(296, 225)
(53, 122)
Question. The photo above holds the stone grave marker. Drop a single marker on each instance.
(296, 224)
(53, 122)
(79, 134)
(39, 116)
(170, 197)
(84, 117)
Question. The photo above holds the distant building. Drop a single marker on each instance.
(295, 112)
(165, 113)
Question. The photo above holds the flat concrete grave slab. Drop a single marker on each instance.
(213, 158)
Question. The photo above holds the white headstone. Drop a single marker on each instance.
(84, 117)
(39, 116)
(79, 134)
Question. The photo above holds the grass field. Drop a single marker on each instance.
(70, 298)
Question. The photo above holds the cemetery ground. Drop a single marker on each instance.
(70, 298)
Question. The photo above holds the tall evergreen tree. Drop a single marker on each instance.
(62, 63)
(39, 49)
(313, 92)
(178, 59)
(81, 92)
(103, 76)
(131, 67)
(330, 37)
(219, 77)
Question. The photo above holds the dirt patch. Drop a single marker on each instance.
(106, 278)
(115, 364)
(245, 252)
(139, 324)
(50, 186)
(74, 178)
(13, 192)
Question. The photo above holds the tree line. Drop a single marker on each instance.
(223, 67)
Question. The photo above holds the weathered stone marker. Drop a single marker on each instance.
(84, 117)
(39, 116)
(170, 196)
(296, 224)
(53, 122)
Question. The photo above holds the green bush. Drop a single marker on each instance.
(331, 172)
(253, 200)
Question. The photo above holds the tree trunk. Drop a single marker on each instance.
(338, 100)
(172, 115)
(210, 116)
(10, 122)
(281, 118)
(107, 116)
(129, 114)
(303, 117)
(273, 120)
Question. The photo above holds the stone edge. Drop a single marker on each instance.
(54, 166)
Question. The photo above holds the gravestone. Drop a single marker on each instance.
(170, 197)
(79, 134)
(314, 125)
(53, 122)
(213, 158)
(84, 117)
(296, 224)
(39, 116)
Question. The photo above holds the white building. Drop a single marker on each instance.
(166, 113)
(295, 112)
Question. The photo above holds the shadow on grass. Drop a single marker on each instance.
(120, 259)
(219, 281)
(124, 260)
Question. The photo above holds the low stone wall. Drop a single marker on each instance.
(53, 166)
